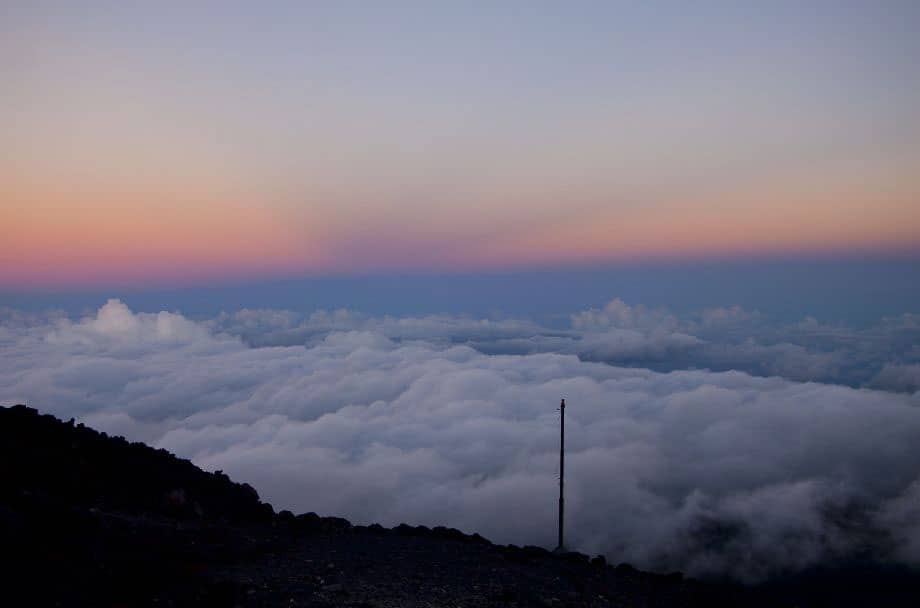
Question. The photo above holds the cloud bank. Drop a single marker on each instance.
(451, 421)
(883, 356)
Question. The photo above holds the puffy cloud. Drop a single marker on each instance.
(618, 313)
(903, 514)
(431, 420)
(719, 339)
(285, 328)
(631, 345)
(114, 323)
(898, 377)
(730, 316)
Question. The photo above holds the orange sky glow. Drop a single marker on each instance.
(198, 150)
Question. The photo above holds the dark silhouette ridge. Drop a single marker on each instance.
(92, 520)
(80, 466)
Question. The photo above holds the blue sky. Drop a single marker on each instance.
(854, 290)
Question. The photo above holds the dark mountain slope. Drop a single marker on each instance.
(79, 466)
(92, 520)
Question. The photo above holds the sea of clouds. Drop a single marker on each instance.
(719, 443)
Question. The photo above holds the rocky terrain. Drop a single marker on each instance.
(92, 520)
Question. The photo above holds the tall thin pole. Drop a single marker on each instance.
(561, 472)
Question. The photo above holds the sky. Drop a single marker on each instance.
(162, 144)
(354, 254)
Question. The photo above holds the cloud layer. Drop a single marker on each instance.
(452, 421)
(884, 355)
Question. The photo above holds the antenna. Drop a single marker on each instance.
(561, 547)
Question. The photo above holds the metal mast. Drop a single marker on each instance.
(561, 546)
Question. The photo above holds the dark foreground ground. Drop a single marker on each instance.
(92, 520)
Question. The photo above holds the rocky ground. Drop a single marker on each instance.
(91, 520)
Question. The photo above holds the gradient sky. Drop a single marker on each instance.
(176, 144)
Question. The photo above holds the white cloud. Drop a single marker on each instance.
(393, 420)
(618, 313)
(719, 339)
(898, 377)
(114, 323)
